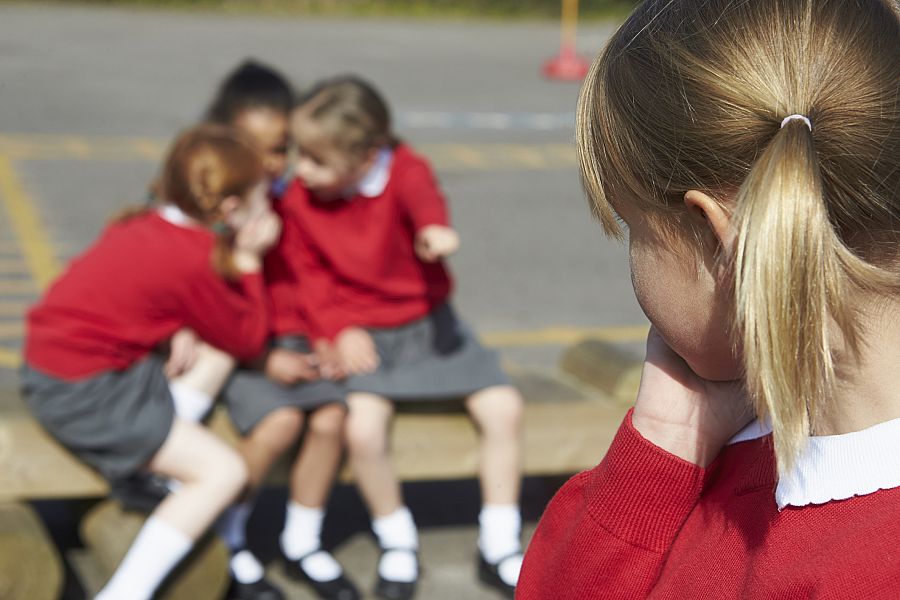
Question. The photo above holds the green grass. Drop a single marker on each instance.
(547, 9)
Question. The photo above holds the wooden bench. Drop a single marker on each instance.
(567, 428)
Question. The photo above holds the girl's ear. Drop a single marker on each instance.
(711, 215)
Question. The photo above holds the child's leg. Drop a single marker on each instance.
(211, 474)
(267, 441)
(194, 390)
(367, 440)
(497, 412)
(312, 477)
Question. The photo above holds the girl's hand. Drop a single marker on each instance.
(690, 417)
(356, 350)
(254, 239)
(289, 367)
(330, 366)
(434, 242)
(183, 350)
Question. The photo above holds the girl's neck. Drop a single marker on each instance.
(867, 391)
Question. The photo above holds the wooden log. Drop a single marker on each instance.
(34, 465)
(30, 567)
(108, 531)
(605, 367)
(565, 429)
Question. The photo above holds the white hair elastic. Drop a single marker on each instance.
(790, 118)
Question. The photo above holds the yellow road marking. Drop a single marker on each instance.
(27, 226)
(563, 336)
(9, 359)
(451, 156)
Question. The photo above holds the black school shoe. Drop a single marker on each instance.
(489, 574)
(258, 590)
(388, 589)
(335, 589)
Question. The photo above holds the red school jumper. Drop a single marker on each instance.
(141, 281)
(353, 259)
(646, 524)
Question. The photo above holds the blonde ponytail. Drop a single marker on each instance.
(788, 280)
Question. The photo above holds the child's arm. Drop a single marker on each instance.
(436, 242)
(234, 317)
(608, 531)
(421, 197)
(183, 348)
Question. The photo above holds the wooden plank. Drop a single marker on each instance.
(565, 430)
(30, 568)
(602, 365)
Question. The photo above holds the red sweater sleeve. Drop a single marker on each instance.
(420, 195)
(233, 317)
(607, 531)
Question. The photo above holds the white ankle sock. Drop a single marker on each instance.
(302, 530)
(232, 526)
(500, 526)
(245, 567)
(397, 531)
(155, 551)
(301, 535)
(190, 404)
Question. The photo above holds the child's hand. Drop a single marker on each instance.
(183, 350)
(356, 350)
(690, 417)
(434, 242)
(289, 367)
(330, 366)
(254, 239)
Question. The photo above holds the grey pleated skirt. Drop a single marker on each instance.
(434, 358)
(115, 421)
(250, 396)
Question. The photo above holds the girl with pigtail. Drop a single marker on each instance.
(752, 150)
(91, 376)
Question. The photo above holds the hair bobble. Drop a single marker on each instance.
(790, 118)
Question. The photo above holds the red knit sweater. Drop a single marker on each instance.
(139, 283)
(646, 524)
(352, 261)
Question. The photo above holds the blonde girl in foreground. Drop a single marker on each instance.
(752, 150)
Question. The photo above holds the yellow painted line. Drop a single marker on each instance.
(563, 336)
(10, 359)
(32, 236)
(451, 156)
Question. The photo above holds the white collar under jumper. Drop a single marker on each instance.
(837, 467)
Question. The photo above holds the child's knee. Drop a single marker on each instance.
(279, 429)
(499, 411)
(328, 421)
(365, 438)
(227, 472)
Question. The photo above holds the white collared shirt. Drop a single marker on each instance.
(837, 467)
(376, 178)
(176, 216)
